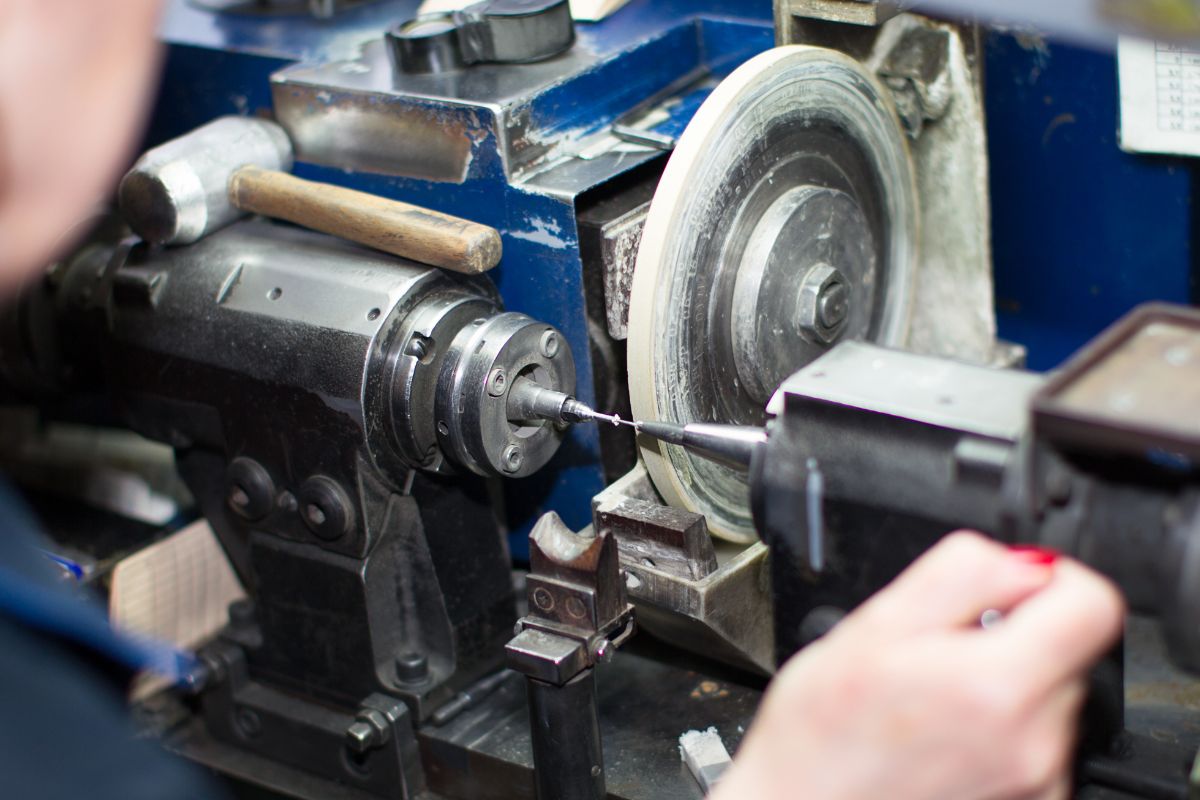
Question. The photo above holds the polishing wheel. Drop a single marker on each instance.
(785, 222)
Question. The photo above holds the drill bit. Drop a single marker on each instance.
(586, 414)
(528, 400)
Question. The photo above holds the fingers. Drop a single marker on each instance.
(950, 586)
(1063, 629)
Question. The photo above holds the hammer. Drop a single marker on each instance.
(189, 187)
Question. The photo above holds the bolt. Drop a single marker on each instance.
(604, 651)
(824, 304)
(417, 347)
(412, 667)
(369, 730)
(497, 382)
(512, 458)
(325, 508)
(833, 305)
(576, 608)
(361, 736)
(196, 679)
(315, 516)
(238, 497)
(549, 344)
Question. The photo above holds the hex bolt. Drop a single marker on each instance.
(369, 730)
(512, 458)
(497, 382)
(824, 305)
(549, 344)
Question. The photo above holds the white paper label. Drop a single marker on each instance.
(1160, 97)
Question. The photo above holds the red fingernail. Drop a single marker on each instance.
(1031, 554)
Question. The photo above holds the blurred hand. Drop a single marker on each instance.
(75, 78)
(909, 699)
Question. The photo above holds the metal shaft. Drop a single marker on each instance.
(733, 444)
(564, 730)
(529, 400)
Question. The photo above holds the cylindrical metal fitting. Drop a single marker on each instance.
(178, 192)
(484, 430)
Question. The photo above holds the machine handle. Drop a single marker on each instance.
(421, 234)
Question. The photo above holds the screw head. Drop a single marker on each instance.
(543, 599)
(417, 347)
(549, 344)
(512, 458)
(497, 382)
(575, 608)
(604, 651)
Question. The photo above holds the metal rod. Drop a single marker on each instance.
(564, 730)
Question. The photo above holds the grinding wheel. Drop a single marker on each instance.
(786, 221)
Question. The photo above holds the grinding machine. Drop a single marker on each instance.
(386, 287)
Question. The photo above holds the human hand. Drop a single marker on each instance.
(908, 698)
(75, 79)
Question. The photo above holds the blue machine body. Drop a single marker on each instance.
(1082, 232)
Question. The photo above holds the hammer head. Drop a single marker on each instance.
(177, 192)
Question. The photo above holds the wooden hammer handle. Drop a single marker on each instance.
(421, 234)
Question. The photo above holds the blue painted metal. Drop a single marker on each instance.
(1082, 231)
(223, 66)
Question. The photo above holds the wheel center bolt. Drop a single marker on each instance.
(833, 305)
